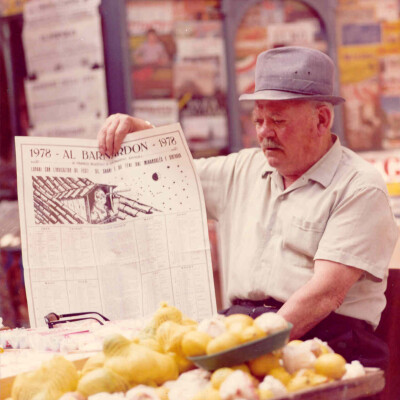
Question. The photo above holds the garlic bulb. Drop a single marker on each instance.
(317, 346)
(297, 357)
(142, 392)
(353, 370)
(274, 385)
(107, 396)
(188, 384)
(212, 326)
(238, 385)
(271, 322)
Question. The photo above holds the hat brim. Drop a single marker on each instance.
(277, 95)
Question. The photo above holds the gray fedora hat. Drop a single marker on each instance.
(294, 72)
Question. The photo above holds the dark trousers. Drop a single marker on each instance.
(354, 339)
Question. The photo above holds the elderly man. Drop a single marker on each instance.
(305, 224)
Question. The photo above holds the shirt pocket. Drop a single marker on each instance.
(301, 240)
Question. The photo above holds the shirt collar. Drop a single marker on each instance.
(323, 170)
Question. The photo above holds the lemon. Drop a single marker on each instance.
(242, 367)
(93, 362)
(262, 365)
(219, 375)
(222, 342)
(183, 363)
(305, 378)
(208, 393)
(170, 334)
(241, 319)
(236, 328)
(152, 343)
(166, 313)
(265, 394)
(325, 349)
(194, 343)
(315, 379)
(162, 392)
(295, 342)
(331, 365)
(188, 321)
(250, 333)
(281, 374)
(298, 382)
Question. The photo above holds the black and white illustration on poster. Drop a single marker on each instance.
(79, 200)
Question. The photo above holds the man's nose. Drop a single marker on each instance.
(266, 131)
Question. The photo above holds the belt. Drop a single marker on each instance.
(270, 302)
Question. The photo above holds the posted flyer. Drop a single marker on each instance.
(116, 235)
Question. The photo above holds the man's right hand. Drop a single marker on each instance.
(115, 128)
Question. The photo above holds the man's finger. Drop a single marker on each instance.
(114, 130)
(141, 124)
(102, 134)
(110, 136)
(127, 125)
(101, 139)
(124, 127)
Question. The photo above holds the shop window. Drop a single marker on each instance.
(178, 69)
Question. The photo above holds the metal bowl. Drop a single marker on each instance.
(245, 352)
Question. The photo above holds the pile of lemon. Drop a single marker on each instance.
(325, 367)
(298, 365)
(270, 368)
(161, 353)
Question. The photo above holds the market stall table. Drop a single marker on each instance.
(373, 382)
(370, 384)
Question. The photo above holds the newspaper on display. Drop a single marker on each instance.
(116, 235)
(66, 96)
(57, 47)
(66, 82)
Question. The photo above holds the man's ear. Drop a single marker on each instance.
(324, 119)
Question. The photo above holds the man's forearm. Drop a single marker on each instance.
(305, 309)
(323, 294)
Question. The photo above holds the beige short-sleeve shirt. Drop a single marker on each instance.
(270, 236)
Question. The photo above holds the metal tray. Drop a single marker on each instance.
(245, 352)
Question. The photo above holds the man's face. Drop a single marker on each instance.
(287, 134)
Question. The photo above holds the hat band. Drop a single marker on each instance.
(300, 86)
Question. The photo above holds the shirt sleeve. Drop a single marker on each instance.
(216, 175)
(361, 232)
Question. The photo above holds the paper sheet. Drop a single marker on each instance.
(114, 235)
(76, 93)
(57, 47)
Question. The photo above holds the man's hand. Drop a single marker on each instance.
(323, 294)
(114, 130)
